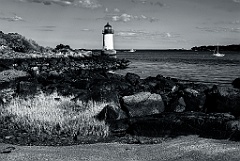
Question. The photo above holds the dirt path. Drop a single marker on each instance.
(182, 148)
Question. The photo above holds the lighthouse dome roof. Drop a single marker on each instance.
(108, 25)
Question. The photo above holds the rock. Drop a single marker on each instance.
(233, 125)
(9, 137)
(219, 100)
(165, 84)
(111, 112)
(194, 99)
(83, 95)
(35, 71)
(53, 74)
(143, 104)
(26, 88)
(236, 83)
(81, 83)
(132, 78)
(178, 105)
(113, 76)
(186, 123)
(7, 149)
(190, 91)
(104, 85)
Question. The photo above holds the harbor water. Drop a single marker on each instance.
(201, 67)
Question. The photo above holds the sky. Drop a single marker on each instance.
(138, 24)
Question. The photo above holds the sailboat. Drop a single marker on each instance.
(132, 51)
(217, 53)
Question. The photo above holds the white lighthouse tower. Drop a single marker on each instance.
(108, 45)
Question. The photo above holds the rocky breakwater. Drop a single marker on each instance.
(155, 106)
(163, 106)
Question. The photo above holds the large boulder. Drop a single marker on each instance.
(143, 104)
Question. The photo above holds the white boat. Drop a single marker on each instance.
(217, 53)
(132, 50)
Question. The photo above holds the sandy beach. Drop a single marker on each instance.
(181, 148)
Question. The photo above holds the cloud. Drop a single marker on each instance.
(113, 11)
(237, 1)
(90, 4)
(116, 10)
(124, 17)
(149, 2)
(12, 19)
(80, 3)
(141, 34)
(47, 28)
(219, 29)
(158, 4)
(235, 22)
(87, 30)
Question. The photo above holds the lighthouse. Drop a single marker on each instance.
(108, 45)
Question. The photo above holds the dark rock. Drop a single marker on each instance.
(194, 99)
(104, 85)
(222, 101)
(35, 71)
(118, 127)
(114, 76)
(132, 78)
(143, 103)
(81, 83)
(178, 105)
(82, 95)
(186, 123)
(236, 83)
(27, 88)
(111, 112)
(112, 109)
(7, 149)
(233, 125)
(53, 74)
(165, 84)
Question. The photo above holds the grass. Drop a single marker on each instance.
(55, 115)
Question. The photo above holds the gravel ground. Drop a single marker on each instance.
(183, 148)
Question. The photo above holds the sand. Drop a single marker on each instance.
(183, 148)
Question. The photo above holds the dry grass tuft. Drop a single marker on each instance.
(55, 115)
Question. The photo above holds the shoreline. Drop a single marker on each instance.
(178, 105)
